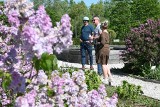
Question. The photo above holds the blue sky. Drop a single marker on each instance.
(88, 2)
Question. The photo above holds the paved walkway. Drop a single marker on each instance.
(149, 88)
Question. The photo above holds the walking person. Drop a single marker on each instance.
(97, 33)
(87, 32)
(102, 53)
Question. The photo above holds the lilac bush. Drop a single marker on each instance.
(29, 34)
(65, 90)
(143, 45)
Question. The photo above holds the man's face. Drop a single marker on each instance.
(95, 21)
(85, 22)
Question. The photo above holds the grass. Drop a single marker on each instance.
(141, 101)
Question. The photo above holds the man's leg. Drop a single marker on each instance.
(99, 69)
(83, 57)
(89, 49)
(99, 66)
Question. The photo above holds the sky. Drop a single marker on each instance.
(88, 2)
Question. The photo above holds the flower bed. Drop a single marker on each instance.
(29, 76)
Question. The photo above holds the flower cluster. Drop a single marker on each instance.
(70, 90)
(28, 33)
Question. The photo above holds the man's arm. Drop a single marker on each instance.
(81, 35)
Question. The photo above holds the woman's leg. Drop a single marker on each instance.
(109, 75)
(108, 71)
(105, 71)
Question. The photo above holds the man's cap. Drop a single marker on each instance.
(85, 18)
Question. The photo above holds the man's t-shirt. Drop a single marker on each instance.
(86, 31)
(97, 31)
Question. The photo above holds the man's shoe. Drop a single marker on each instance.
(91, 68)
(100, 74)
(83, 68)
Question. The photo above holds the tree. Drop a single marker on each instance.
(77, 12)
(55, 9)
(97, 9)
(119, 17)
(144, 9)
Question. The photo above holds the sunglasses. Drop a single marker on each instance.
(85, 20)
(93, 20)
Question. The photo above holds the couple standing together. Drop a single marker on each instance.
(100, 38)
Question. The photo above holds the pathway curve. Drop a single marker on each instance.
(150, 89)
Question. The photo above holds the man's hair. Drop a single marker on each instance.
(97, 17)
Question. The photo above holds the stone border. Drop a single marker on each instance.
(112, 47)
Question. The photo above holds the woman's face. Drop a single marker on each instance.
(101, 26)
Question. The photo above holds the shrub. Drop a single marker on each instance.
(143, 46)
(76, 41)
(128, 91)
(152, 73)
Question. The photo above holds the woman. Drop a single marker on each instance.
(102, 53)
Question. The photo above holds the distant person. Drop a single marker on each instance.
(102, 53)
(87, 32)
(97, 33)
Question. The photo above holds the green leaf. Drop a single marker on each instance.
(1, 74)
(6, 81)
(50, 93)
(36, 63)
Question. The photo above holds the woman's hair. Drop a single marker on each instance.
(104, 24)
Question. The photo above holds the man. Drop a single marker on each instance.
(97, 32)
(87, 32)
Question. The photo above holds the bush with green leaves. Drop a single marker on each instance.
(92, 79)
(143, 46)
(76, 41)
(152, 73)
(128, 91)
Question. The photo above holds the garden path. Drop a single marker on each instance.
(150, 89)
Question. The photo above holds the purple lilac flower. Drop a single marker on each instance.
(21, 102)
(18, 83)
(42, 78)
(102, 91)
(31, 98)
(95, 99)
(45, 105)
(112, 101)
(13, 18)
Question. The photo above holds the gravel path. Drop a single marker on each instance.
(149, 88)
